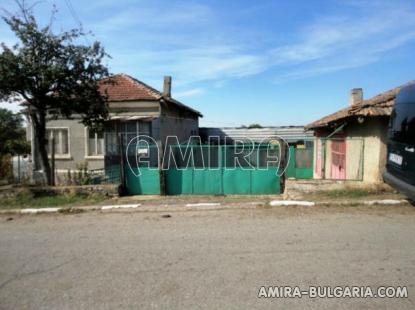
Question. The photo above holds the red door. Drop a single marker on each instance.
(338, 159)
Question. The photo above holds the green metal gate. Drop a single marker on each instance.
(141, 171)
(202, 170)
(222, 170)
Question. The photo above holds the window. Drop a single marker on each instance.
(61, 138)
(131, 129)
(145, 128)
(403, 123)
(95, 143)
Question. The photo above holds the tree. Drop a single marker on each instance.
(12, 134)
(253, 126)
(54, 74)
(12, 140)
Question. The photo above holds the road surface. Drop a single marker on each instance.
(205, 259)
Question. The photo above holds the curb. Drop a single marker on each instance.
(278, 203)
(202, 206)
(386, 202)
(112, 207)
(43, 210)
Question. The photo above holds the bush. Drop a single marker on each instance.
(6, 168)
(26, 198)
(83, 176)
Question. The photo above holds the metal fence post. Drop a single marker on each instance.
(18, 169)
(323, 158)
(122, 171)
(52, 168)
(162, 174)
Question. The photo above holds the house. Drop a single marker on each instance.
(134, 108)
(350, 144)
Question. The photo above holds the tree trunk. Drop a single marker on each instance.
(39, 128)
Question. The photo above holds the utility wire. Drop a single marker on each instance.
(76, 18)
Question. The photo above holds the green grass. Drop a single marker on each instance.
(349, 193)
(27, 200)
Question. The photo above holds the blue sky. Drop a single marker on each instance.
(242, 62)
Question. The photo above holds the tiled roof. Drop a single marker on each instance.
(122, 87)
(379, 105)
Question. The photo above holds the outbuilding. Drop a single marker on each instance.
(350, 144)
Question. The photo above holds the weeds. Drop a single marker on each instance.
(28, 200)
(350, 193)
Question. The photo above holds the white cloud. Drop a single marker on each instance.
(192, 42)
(193, 65)
(189, 93)
(328, 44)
(347, 41)
(307, 72)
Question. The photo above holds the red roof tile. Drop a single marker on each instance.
(122, 87)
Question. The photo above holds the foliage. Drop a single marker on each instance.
(6, 168)
(28, 200)
(252, 126)
(350, 193)
(83, 177)
(12, 134)
(53, 73)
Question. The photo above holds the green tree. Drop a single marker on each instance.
(252, 126)
(12, 134)
(53, 73)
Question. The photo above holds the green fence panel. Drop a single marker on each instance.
(294, 169)
(290, 171)
(207, 181)
(193, 181)
(303, 173)
(148, 183)
(304, 163)
(179, 181)
(214, 181)
(236, 181)
(112, 174)
(265, 182)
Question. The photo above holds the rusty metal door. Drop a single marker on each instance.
(338, 159)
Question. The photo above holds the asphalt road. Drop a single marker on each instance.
(206, 259)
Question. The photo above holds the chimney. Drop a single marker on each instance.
(167, 87)
(356, 96)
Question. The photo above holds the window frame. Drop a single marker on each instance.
(61, 156)
(96, 156)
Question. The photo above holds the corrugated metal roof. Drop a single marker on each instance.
(289, 133)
